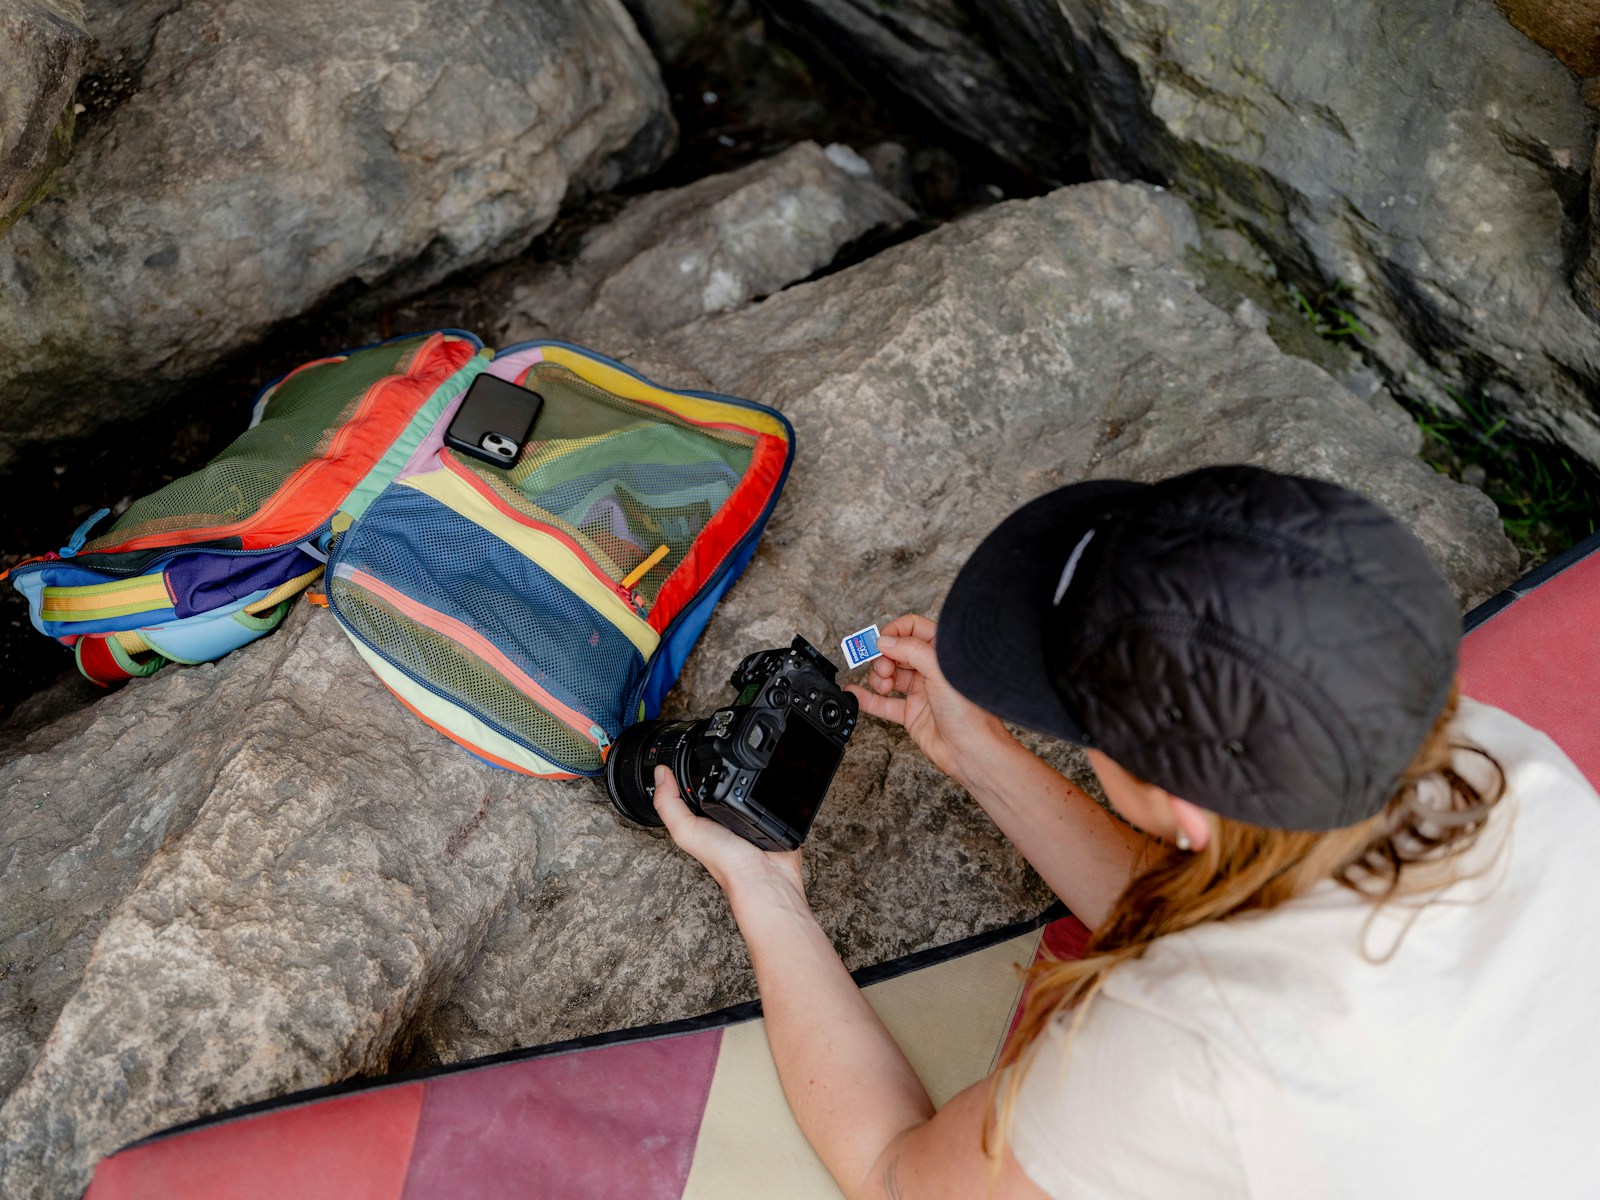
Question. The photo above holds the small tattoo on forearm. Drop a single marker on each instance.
(891, 1179)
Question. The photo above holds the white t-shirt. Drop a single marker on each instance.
(1265, 1057)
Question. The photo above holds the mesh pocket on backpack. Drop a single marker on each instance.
(479, 622)
(432, 656)
(619, 478)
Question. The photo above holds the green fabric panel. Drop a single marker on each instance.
(105, 613)
(296, 426)
(651, 445)
(575, 409)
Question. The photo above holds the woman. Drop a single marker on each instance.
(1322, 964)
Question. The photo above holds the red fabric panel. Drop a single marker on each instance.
(347, 1148)
(1064, 938)
(723, 532)
(607, 1123)
(97, 662)
(1539, 659)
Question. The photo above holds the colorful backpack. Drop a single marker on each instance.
(528, 613)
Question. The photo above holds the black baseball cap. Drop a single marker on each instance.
(1272, 648)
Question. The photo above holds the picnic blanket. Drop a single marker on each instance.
(693, 1110)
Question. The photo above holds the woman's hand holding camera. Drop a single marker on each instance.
(961, 739)
(742, 869)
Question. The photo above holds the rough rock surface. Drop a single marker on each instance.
(1569, 29)
(671, 257)
(42, 48)
(671, 26)
(1587, 281)
(967, 62)
(234, 880)
(266, 154)
(1427, 156)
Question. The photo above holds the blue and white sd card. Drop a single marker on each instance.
(861, 647)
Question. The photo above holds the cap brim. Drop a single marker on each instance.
(991, 629)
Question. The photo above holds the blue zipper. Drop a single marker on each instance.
(315, 536)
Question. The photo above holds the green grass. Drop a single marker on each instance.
(1548, 499)
(1328, 318)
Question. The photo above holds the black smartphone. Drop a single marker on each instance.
(494, 420)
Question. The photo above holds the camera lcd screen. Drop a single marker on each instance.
(792, 785)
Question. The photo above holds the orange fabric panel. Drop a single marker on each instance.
(315, 491)
(354, 1147)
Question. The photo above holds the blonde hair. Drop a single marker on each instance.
(1248, 868)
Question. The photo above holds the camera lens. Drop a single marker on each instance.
(831, 712)
(631, 765)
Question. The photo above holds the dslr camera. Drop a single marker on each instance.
(761, 766)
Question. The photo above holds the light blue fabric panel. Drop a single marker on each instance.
(208, 636)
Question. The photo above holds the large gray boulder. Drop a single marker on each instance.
(1427, 157)
(267, 155)
(229, 881)
(42, 48)
(671, 257)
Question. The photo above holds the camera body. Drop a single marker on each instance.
(761, 766)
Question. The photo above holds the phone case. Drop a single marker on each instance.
(495, 413)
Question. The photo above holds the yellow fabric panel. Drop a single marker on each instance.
(138, 584)
(96, 601)
(949, 1019)
(621, 383)
(283, 591)
(550, 552)
(132, 641)
(749, 1145)
(469, 728)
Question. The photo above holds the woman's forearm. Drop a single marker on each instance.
(851, 1089)
(1084, 853)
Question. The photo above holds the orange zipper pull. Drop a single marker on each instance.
(643, 569)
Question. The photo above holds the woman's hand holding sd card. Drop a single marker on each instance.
(907, 687)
